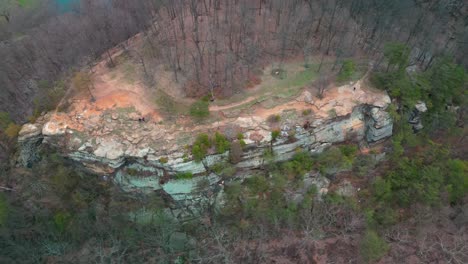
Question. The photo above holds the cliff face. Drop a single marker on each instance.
(146, 156)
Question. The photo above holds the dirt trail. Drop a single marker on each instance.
(214, 108)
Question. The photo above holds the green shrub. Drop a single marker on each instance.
(382, 189)
(200, 147)
(5, 120)
(63, 180)
(257, 184)
(163, 160)
(363, 164)
(332, 113)
(268, 154)
(198, 153)
(334, 160)
(306, 112)
(457, 182)
(412, 181)
(203, 139)
(298, 166)
(225, 170)
(385, 216)
(12, 130)
(242, 143)
(218, 167)
(275, 134)
(61, 221)
(200, 109)
(274, 118)
(349, 150)
(373, 247)
(229, 171)
(221, 143)
(232, 190)
(240, 136)
(132, 171)
(184, 176)
(397, 54)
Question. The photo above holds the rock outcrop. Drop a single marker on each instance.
(416, 115)
(29, 140)
(379, 124)
(147, 156)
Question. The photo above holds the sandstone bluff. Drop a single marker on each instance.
(145, 156)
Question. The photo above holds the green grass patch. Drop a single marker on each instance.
(184, 176)
(169, 106)
(129, 72)
(200, 109)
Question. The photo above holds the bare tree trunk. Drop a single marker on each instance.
(110, 59)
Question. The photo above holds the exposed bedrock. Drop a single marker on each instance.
(137, 169)
(146, 157)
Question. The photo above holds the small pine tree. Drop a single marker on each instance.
(373, 247)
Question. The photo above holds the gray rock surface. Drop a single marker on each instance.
(416, 116)
(379, 125)
(131, 153)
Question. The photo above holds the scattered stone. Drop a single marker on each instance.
(249, 122)
(231, 131)
(110, 148)
(421, 106)
(53, 128)
(311, 180)
(285, 127)
(256, 137)
(306, 97)
(28, 131)
(85, 146)
(134, 116)
(115, 116)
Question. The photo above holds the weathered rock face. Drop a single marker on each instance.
(147, 156)
(379, 125)
(416, 115)
(29, 140)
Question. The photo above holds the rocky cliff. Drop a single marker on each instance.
(147, 156)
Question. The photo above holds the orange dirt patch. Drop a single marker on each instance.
(110, 91)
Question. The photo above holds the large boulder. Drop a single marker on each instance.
(110, 148)
(379, 125)
(416, 115)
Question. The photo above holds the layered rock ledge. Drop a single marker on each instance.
(145, 156)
